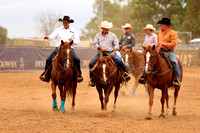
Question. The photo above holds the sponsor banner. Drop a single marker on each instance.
(34, 58)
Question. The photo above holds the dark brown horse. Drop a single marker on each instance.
(159, 75)
(134, 62)
(106, 75)
(63, 75)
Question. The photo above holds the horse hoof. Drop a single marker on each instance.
(162, 115)
(62, 110)
(72, 109)
(167, 111)
(54, 108)
(148, 117)
(174, 113)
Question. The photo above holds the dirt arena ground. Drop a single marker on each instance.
(25, 106)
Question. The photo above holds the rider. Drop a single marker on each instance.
(65, 33)
(128, 39)
(168, 39)
(106, 41)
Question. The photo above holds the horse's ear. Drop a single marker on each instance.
(144, 47)
(153, 48)
(71, 42)
(62, 42)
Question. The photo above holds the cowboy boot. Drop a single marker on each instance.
(80, 78)
(44, 77)
(91, 83)
(143, 79)
(176, 83)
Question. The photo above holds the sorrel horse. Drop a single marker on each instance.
(63, 75)
(106, 75)
(134, 62)
(159, 75)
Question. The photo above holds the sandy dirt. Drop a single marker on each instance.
(25, 106)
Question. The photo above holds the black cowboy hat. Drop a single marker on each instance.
(166, 21)
(66, 19)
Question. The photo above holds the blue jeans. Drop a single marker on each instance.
(75, 58)
(117, 59)
(172, 58)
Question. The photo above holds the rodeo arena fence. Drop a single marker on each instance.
(34, 58)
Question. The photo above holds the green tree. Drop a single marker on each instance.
(3, 35)
(192, 18)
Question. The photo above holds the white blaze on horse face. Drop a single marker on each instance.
(68, 57)
(126, 59)
(147, 60)
(104, 72)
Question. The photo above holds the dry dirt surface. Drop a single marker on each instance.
(25, 106)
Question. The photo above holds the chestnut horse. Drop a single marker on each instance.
(63, 75)
(134, 62)
(159, 75)
(106, 75)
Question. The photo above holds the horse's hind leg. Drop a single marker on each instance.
(167, 103)
(116, 95)
(73, 94)
(175, 99)
(53, 86)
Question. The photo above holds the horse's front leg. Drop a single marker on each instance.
(174, 113)
(63, 97)
(99, 89)
(151, 96)
(107, 94)
(74, 85)
(53, 86)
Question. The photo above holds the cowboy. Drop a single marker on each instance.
(106, 41)
(65, 33)
(150, 38)
(167, 38)
(128, 39)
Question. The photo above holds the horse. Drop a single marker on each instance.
(63, 75)
(134, 62)
(159, 75)
(106, 75)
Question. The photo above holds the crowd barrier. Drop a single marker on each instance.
(33, 58)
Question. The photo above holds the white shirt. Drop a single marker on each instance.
(65, 34)
(150, 39)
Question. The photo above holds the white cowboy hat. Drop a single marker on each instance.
(149, 27)
(127, 25)
(106, 25)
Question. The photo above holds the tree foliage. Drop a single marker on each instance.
(3, 35)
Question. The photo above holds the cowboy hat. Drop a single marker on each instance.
(149, 27)
(127, 25)
(166, 21)
(66, 19)
(106, 25)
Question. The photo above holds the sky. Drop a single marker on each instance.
(17, 16)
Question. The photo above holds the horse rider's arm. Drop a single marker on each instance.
(173, 41)
(115, 42)
(132, 44)
(76, 38)
(53, 35)
(120, 42)
(96, 42)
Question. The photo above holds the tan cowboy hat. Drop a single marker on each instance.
(127, 25)
(149, 27)
(106, 25)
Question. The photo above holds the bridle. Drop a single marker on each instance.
(152, 73)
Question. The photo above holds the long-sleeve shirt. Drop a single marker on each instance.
(150, 39)
(109, 41)
(169, 39)
(65, 34)
(127, 40)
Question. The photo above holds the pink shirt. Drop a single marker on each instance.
(150, 39)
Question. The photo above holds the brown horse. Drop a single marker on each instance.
(106, 75)
(159, 75)
(63, 75)
(134, 62)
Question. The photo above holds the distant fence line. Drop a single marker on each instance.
(33, 58)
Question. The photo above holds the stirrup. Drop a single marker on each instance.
(177, 83)
(79, 79)
(91, 83)
(127, 78)
(142, 80)
(44, 78)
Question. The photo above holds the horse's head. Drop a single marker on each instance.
(150, 54)
(66, 53)
(128, 59)
(103, 69)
